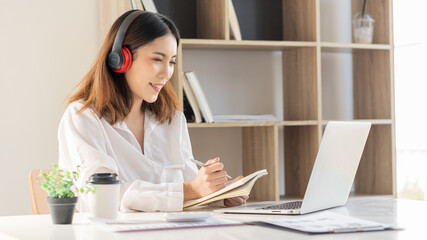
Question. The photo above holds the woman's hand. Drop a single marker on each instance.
(236, 201)
(209, 179)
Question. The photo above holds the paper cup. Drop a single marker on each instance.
(104, 203)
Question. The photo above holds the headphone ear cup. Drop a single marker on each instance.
(127, 60)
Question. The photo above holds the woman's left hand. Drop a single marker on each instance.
(235, 201)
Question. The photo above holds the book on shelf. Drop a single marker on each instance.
(132, 4)
(199, 96)
(238, 188)
(246, 118)
(191, 107)
(136, 4)
(149, 5)
(233, 22)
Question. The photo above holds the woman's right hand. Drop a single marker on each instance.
(209, 179)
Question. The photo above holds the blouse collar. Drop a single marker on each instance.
(150, 122)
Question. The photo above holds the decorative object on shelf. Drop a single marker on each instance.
(61, 190)
(200, 96)
(363, 26)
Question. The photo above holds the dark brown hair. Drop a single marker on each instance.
(106, 92)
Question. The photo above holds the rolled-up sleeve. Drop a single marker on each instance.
(145, 196)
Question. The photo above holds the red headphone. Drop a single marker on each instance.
(120, 58)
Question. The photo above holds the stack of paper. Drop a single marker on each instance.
(113, 225)
(327, 222)
(245, 118)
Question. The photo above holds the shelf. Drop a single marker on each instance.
(272, 45)
(253, 124)
(231, 124)
(355, 46)
(299, 123)
(284, 123)
(244, 44)
(373, 121)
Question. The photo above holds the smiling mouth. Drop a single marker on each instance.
(156, 87)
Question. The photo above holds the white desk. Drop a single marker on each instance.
(412, 215)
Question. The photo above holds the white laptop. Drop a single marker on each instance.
(332, 175)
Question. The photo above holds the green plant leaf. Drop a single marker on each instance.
(59, 183)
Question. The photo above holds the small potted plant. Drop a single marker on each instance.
(59, 185)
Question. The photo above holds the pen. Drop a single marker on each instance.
(203, 165)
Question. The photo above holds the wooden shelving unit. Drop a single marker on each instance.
(297, 35)
(244, 44)
(355, 46)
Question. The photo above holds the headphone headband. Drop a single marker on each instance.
(118, 41)
(118, 57)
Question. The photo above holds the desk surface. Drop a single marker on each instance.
(412, 215)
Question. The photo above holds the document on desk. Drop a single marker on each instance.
(327, 222)
(113, 225)
(238, 188)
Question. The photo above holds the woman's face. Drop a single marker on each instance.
(152, 67)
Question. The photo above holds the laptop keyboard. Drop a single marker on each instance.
(287, 205)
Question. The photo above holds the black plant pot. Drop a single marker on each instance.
(62, 209)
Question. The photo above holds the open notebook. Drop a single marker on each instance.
(238, 188)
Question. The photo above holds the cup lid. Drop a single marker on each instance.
(365, 17)
(104, 178)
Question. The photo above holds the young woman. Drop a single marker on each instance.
(123, 118)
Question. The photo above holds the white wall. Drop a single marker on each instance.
(337, 69)
(47, 46)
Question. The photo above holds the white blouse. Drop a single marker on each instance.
(151, 181)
